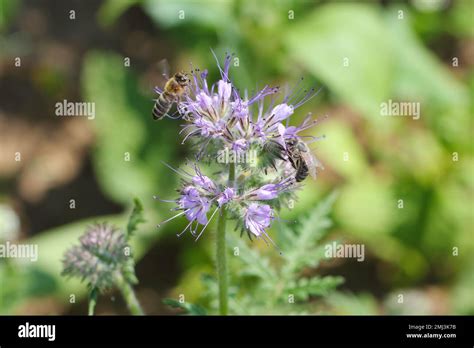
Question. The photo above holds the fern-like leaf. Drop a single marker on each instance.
(303, 288)
(136, 218)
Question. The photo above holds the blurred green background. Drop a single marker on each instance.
(404, 186)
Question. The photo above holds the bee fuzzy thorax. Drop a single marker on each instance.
(175, 89)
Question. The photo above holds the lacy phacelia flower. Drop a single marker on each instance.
(103, 253)
(258, 218)
(270, 191)
(194, 205)
(220, 121)
(199, 192)
(226, 196)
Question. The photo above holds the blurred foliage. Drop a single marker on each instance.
(128, 154)
(373, 161)
(8, 9)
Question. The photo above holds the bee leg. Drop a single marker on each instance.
(177, 113)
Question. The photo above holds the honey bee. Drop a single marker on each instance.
(301, 159)
(173, 91)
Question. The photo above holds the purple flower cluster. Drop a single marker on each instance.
(218, 115)
(199, 193)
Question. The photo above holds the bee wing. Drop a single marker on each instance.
(312, 162)
(155, 77)
(164, 68)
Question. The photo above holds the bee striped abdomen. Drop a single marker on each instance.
(162, 106)
(173, 90)
(302, 171)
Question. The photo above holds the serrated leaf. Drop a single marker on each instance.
(303, 288)
(136, 218)
(256, 264)
(306, 235)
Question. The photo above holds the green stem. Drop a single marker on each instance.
(221, 253)
(129, 295)
(221, 263)
(92, 301)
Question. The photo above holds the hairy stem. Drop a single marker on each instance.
(129, 295)
(221, 253)
(92, 301)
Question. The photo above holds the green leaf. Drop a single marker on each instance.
(341, 140)
(189, 308)
(347, 303)
(345, 46)
(170, 13)
(8, 9)
(384, 60)
(377, 213)
(255, 264)
(300, 249)
(136, 218)
(303, 288)
(422, 78)
(264, 283)
(112, 9)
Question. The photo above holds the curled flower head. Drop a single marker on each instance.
(102, 254)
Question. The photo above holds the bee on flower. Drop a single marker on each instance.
(217, 117)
